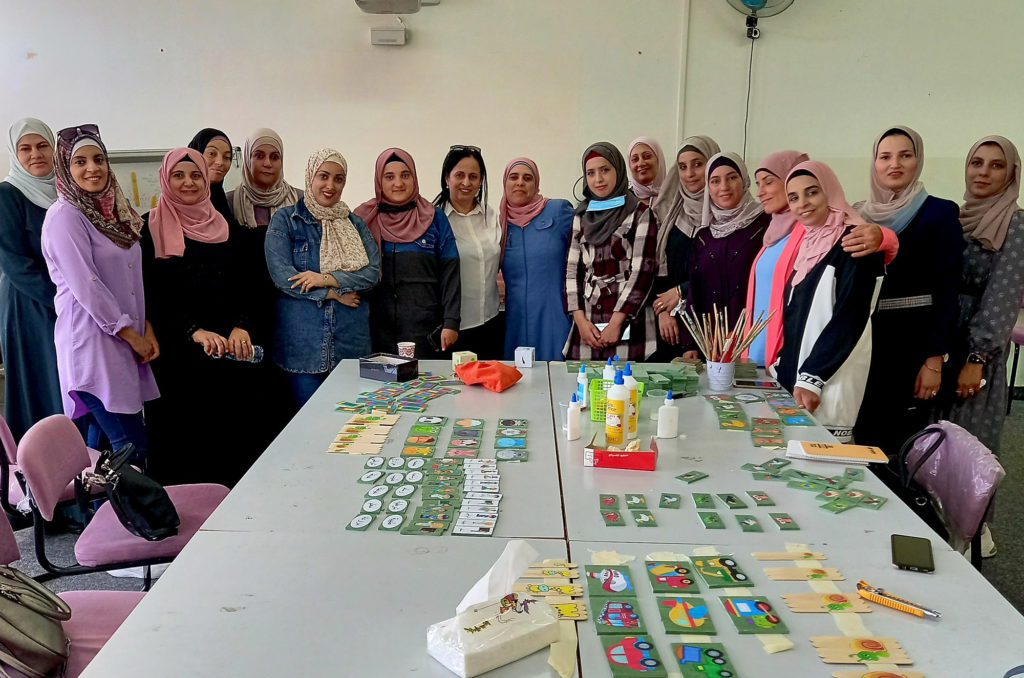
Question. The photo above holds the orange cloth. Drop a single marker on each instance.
(490, 374)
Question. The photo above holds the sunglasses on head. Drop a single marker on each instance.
(457, 149)
(69, 134)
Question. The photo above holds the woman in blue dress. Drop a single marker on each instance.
(27, 313)
(535, 233)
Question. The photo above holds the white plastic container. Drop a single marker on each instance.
(583, 388)
(609, 371)
(634, 400)
(720, 375)
(574, 420)
(616, 412)
(668, 418)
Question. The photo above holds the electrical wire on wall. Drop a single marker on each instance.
(746, 115)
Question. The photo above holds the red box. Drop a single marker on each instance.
(638, 460)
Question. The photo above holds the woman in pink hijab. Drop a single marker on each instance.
(830, 297)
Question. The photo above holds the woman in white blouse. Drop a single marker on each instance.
(463, 198)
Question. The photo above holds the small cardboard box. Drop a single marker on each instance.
(525, 355)
(638, 460)
(388, 367)
(460, 357)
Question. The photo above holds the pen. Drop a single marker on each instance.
(883, 597)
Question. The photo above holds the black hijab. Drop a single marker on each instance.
(599, 225)
(220, 201)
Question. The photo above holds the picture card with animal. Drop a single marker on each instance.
(711, 520)
(633, 655)
(613, 518)
(670, 501)
(424, 430)
(431, 420)
(617, 615)
(417, 451)
(839, 505)
(784, 521)
(768, 441)
(467, 433)
(872, 501)
(644, 518)
(608, 501)
(826, 602)
(703, 500)
(732, 501)
(685, 615)
(703, 660)
(512, 431)
(635, 501)
(861, 673)
(546, 571)
(513, 423)
(608, 580)
(764, 475)
(541, 589)
(469, 423)
(748, 523)
(753, 614)
(720, 572)
(568, 608)
(803, 574)
(789, 555)
(733, 424)
(505, 442)
(512, 455)
(692, 476)
(760, 498)
(669, 576)
(462, 453)
(471, 443)
(867, 650)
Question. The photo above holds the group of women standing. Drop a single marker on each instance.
(868, 329)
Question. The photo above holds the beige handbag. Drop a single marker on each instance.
(32, 639)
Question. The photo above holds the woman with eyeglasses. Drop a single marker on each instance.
(419, 296)
(104, 341)
(27, 316)
(463, 198)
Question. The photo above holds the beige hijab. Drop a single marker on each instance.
(895, 209)
(341, 248)
(988, 219)
(248, 195)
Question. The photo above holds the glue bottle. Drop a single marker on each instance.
(609, 370)
(668, 418)
(582, 386)
(634, 400)
(573, 419)
(616, 411)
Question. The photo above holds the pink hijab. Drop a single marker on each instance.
(818, 240)
(172, 220)
(780, 164)
(404, 225)
(651, 190)
(523, 215)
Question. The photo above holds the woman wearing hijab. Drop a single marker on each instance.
(774, 263)
(463, 199)
(646, 169)
(322, 259)
(104, 341)
(27, 316)
(216, 150)
(419, 295)
(993, 275)
(679, 213)
(918, 304)
(535, 232)
(732, 231)
(829, 296)
(611, 265)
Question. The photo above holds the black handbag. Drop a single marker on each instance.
(140, 503)
(32, 639)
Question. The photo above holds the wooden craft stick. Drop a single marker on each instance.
(825, 602)
(788, 555)
(860, 673)
(803, 574)
(548, 589)
(555, 562)
(568, 608)
(549, 573)
(869, 650)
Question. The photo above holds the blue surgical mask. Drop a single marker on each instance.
(610, 203)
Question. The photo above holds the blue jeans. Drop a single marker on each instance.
(117, 429)
(305, 385)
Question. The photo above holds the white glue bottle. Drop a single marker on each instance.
(573, 420)
(582, 388)
(616, 412)
(634, 400)
(609, 370)
(668, 418)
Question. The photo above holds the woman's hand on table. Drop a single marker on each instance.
(809, 400)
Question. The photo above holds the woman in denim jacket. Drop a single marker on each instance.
(322, 258)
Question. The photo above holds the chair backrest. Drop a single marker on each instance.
(9, 551)
(961, 476)
(51, 454)
(7, 440)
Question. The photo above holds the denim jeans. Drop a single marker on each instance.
(305, 385)
(117, 429)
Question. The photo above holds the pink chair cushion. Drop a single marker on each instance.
(9, 551)
(95, 615)
(7, 440)
(1018, 334)
(14, 492)
(105, 540)
(51, 454)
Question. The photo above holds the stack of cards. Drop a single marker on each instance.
(409, 396)
(364, 433)
(789, 413)
(768, 470)
(510, 440)
(478, 512)
(767, 432)
(423, 436)
(731, 416)
(465, 440)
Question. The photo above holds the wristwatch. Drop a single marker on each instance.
(976, 359)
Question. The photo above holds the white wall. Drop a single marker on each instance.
(516, 77)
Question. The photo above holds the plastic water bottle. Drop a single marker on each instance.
(616, 412)
(668, 418)
(634, 400)
(582, 388)
(255, 355)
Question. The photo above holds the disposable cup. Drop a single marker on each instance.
(720, 375)
(407, 349)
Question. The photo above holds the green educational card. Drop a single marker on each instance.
(608, 580)
(635, 501)
(505, 442)
(371, 476)
(374, 462)
(731, 423)
(431, 420)
(669, 576)
(720, 572)
(617, 615)
(608, 501)
(372, 506)
(635, 655)
(692, 476)
(644, 518)
(732, 501)
(512, 431)
(828, 495)
(396, 463)
(670, 501)
(711, 520)
(469, 423)
(768, 441)
(612, 518)
(872, 501)
(398, 506)
(784, 521)
(696, 660)
(796, 474)
(853, 473)
(513, 423)
(426, 528)
(809, 485)
(753, 614)
(464, 443)
(748, 523)
(467, 433)
(424, 430)
(360, 522)
(685, 615)
(839, 505)
(392, 522)
(764, 475)
(760, 498)
(377, 492)
(512, 455)
(702, 500)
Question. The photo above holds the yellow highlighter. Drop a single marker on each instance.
(883, 597)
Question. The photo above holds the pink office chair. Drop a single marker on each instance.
(53, 454)
(95, 615)
(1017, 337)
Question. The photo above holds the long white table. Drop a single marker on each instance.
(274, 585)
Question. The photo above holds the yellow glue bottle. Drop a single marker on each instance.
(616, 412)
(633, 386)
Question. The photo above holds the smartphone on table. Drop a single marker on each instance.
(912, 553)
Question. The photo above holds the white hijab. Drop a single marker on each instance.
(40, 191)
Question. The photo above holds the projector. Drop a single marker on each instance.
(389, 6)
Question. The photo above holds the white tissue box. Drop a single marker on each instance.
(525, 355)
(493, 634)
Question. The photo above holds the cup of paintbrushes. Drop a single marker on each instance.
(720, 375)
